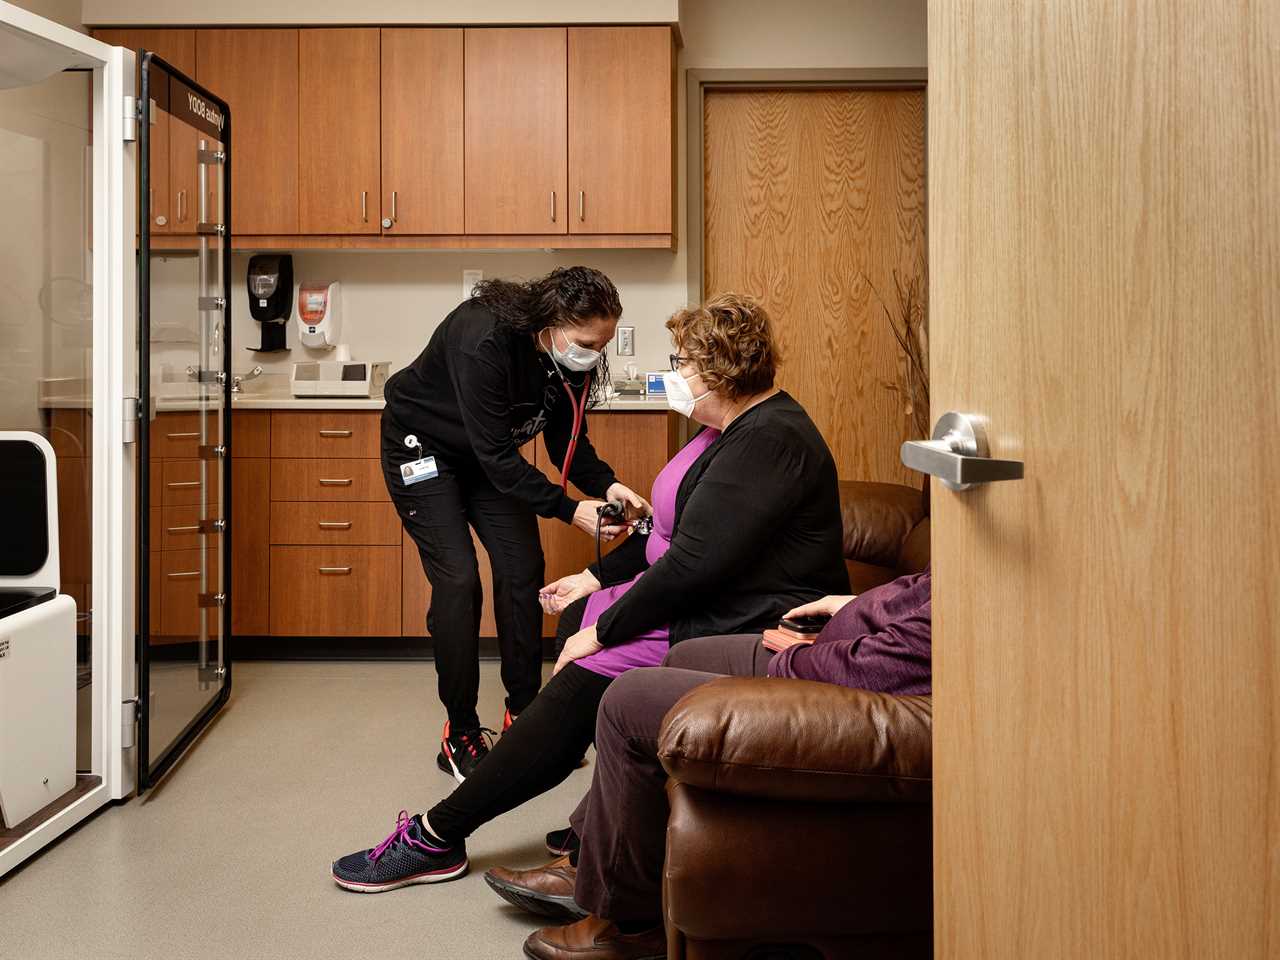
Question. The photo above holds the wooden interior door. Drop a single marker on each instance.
(256, 72)
(1104, 234)
(339, 168)
(813, 201)
(422, 78)
(516, 130)
(620, 129)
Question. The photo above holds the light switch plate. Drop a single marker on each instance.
(626, 341)
(469, 279)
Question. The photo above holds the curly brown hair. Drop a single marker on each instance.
(729, 340)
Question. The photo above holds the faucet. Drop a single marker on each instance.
(251, 375)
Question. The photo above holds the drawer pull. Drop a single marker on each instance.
(335, 433)
(336, 571)
(184, 575)
(335, 483)
(335, 524)
(194, 528)
(182, 436)
(177, 484)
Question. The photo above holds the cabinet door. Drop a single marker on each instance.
(183, 177)
(339, 131)
(256, 72)
(177, 47)
(422, 130)
(516, 122)
(620, 146)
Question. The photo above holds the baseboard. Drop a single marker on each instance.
(356, 648)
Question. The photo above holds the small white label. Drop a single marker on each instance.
(419, 470)
(262, 303)
(4, 647)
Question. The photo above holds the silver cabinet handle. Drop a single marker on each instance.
(338, 571)
(191, 529)
(364, 205)
(957, 454)
(394, 216)
(182, 436)
(334, 524)
(184, 575)
(335, 433)
(345, 482)
(180, 484)
(553, 206)
(582, 205)
(182, 217)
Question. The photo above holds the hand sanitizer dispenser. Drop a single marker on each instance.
(319, 314)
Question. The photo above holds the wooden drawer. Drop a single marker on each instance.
(179, 527)
(177, 435)
(327, 480)
(180, 593)
(335, 591)
(180, 482)
(300, 522)
(325, 433)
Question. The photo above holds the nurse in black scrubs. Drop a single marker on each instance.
(515, 360)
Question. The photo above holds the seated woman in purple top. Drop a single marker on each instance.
(746, 525)
(611, 883)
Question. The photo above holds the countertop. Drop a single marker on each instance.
(274, 400)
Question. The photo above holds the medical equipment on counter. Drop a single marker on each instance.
(270, 282)
(339, 378)
(320, 314)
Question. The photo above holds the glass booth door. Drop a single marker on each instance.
(185, 393)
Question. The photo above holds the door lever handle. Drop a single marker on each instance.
(957, 454)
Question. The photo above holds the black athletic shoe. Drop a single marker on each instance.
(462, 750)
(561, 843)
(410, 855)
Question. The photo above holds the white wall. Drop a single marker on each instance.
(393, 301)
(65, 12)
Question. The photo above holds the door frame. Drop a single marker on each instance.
(114, 422)
(698, 82)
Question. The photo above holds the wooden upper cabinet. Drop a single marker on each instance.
(175, 47)
(422, 78)
(184, 179)
(256, 72)
(516, 130)
(620, 129)
(339, 170)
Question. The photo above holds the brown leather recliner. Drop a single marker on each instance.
(800, 812)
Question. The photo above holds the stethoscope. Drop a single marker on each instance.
(579, 405)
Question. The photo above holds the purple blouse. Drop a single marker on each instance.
(648, 649)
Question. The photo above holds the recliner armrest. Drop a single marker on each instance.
(800, 740)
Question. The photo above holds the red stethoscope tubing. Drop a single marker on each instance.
(579, 416)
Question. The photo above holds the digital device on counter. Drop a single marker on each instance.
(320, 313)
(654, 385)
(339, 378)
(270, 282)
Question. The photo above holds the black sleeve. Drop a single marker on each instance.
(730, 519)
(480, 382)
(624, 562)
(588, 472)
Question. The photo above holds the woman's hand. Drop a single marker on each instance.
(554, 597)
(581, 644)
(586, 516)
(637, 506)
(827, 606)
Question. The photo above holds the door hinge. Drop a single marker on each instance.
(132, 113)
(211, 451)
(129, 427)
(211, 303)
(128, 723)
(212, 599)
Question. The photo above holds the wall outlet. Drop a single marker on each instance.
(626, 341)
(469, 279)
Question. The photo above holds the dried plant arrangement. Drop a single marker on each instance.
(909, 322)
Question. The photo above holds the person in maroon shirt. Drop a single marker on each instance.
(611, 883)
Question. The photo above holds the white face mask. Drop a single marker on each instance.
(574, 356)
(680, 396)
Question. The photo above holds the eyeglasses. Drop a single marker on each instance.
(678, 361)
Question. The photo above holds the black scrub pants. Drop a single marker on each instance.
(438, 514)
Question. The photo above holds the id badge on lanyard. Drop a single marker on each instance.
(417, 470)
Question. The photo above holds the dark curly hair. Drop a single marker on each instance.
(566, 295)
(730, 342)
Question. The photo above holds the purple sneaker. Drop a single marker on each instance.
(410, 855)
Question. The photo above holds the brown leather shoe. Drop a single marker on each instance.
(595, 939)
(546, 891)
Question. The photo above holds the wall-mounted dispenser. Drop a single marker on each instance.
(270, 280)
(320, 313)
